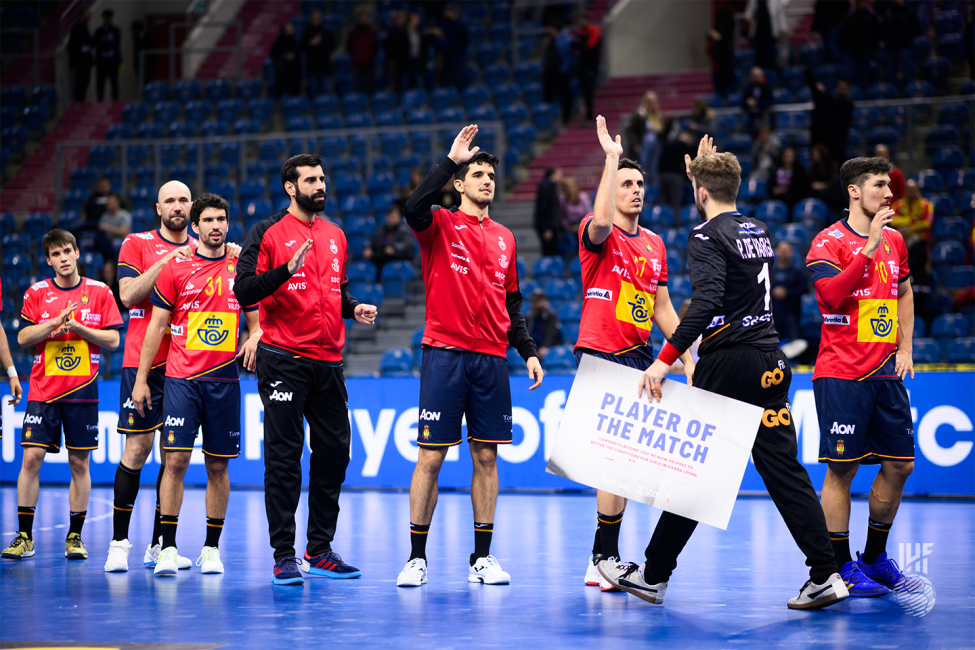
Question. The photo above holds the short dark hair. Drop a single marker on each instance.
(56, 239)
(289, 170)
(550, 172)
(626, 163)
(855, 171)
(108, 13)
(719, 174)
(481, 157)
(208, 201)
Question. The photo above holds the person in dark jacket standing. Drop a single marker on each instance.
(108, 49)
(548, 211)
(293, 266)
(392, 241)
(473, 313)
(756, 99)
(831, 117)
(362, 44)
(317, 44)
(79, 57)
(143, 39)
(287, 66)
(590, 40)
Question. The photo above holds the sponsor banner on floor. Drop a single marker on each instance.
(685, 454)
(384, 417)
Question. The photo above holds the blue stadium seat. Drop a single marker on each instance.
(947, 159)
(883, 135)
(361, 271)
(926, 351)
(753, 190)
(949, 22)
(380, 202)
(548, 267)
(369, 293)
(961, 350)
(772, 213)
(416, 98)
(389, 118)
(960, 277)
(560, 360)
(396, 362)
(396, 278)
(810, 209)
(948, 327)
(943, 135)
(558, 290)
(450, 114)
(445, 97)
(882, 91)
(680, 284)
(937, 71)
(942, 204)
(257, 210)
(929, 181)
(37, 224)
(474, 97)
(419, 116)
(483, 114)
(253, 188)
(949, 229)
(516, 366)
(569, 312)
(792, 232)
(531, 93)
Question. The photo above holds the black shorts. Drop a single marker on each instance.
(189, 404)
(43, 422)
(865, 421)
(129, 420)
(455, 383)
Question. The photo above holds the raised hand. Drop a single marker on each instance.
(875, 238)
(610, 146)
(705, 146)
(298, 260)
(183, 252)
(460, 151)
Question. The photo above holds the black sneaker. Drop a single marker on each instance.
(329, 564)
(286, 572)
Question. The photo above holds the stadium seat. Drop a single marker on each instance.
(548, 267)
(369, 293)
(929, 181)
(937, 71)
(949, 326)
(396, 278)
(679, 284)
(961, 350)
(361, 271)
(558, 290)
(942, 204)
(943, 135)
(753, 190)
(884, 135)
(415, 98)
(949, 229)
(474, 97)
(882, 91)
(445, 97)
(947, 159)
(959, 278)
(792, 232)
(560, 360)
(926, 351)
(396, 362)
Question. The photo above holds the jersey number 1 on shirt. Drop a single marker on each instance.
(763, 276)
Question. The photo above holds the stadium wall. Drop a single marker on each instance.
(384, 422)
(656, 37)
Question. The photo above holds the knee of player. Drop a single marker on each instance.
(78, 462)
(843, 472)
(900, 469)
(177, 461)
(33, 460)
(216, 466)
(485, 457)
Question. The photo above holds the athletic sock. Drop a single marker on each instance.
(609, 532)
(597, 542)
(126, 490)
(25, 517)
(214, 528)
(841, 547)
(157, 523)
(77, 521)
(482, 541)
(418, 541)
(168, 523)
(876, 541)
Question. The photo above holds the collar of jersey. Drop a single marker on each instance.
(469, 218)
(174, 243)
(306, 224)
(626, 234)
(852, 231)
(196, 253)
(55, 285)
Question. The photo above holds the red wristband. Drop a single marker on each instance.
(668, 354)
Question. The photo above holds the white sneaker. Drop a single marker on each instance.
(594, 577)
(209, 560)
(152, 554)
(166, 563)
(487, 570)
(413, 574)
(813, 596)
(629, 578)
(118, 556)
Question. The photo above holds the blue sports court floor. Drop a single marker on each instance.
(729, 590)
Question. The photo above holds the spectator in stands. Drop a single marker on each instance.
(453, 42)
(721, 50)
(287, 66)
(416, 57)
(969, 35)
(789, 283)
(142, 40)
(97, 203)
(767, 24)
(589, 39)
(548, 211)
(397, 49)
(913, 220)
(831, 116)
(790, 182)
(317, 44)
(416, 177)
(113, 226)
(108, 55)
(543, 323)
(362, 44)
(896, 176)
(672, 171)
(828, 15)
(900, 26)
(644, 134)
(859, 38)
(823, 179)
(557, 63)
(80, 57)
(701, 120)
(392, 240)
(756, 99)
(765, 154)
(575, 204)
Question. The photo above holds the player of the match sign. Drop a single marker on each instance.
(685, 454)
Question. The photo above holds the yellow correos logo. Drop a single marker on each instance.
(636, 307)
(877, 321)
(66, 358)
(212, 330)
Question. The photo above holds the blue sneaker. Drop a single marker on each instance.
(886, 572)
(859, 585)
(286, 572)
(329, 564)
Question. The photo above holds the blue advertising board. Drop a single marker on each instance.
(384, 417)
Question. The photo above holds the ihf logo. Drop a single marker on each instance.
(916, 593)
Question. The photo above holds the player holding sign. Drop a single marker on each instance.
(624, 282)
(859, 266)
(194, 300)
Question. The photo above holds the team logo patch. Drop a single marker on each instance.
(131, 419)
(600, 294)
(230, 268)
(836, 319)
(332, 247)
(335, 264)
(634, 306)
(210, 330)
(503, 261)
(501, 244)
(171, 438)
(85, 299)
(836, 234)
(426, 431)
(876, 321)
(27, 433)
(67, 358)
(886, 247)
(840, 447)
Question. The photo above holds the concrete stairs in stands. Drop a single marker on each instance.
(32, 187)
(576, 149)
(261, 21)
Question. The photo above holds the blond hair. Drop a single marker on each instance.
(719, 174)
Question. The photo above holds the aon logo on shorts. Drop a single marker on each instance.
(33, 419)
(429, 415)
(280, 396)
(174, 422)
(842, 429)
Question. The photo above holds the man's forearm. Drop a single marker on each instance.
(34, 334)
(5, 359)
(150, 347)
(102, 338)
(132, 291)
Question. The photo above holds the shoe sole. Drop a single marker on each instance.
(212, 572)
(166, 573)
(11, 556)
(412, 584)
(480, 579)
(332, 574)
(592, 584)
(288, 581)
(118, 570)
(630, 590)
(75, 556)
(611, 590)
(819, 603)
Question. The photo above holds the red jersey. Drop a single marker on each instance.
(66, 365)
(619, 287)
(204, 319)
(139, 252)
(859, 333)
(468, 270)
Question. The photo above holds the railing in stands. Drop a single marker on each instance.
(500, 148)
